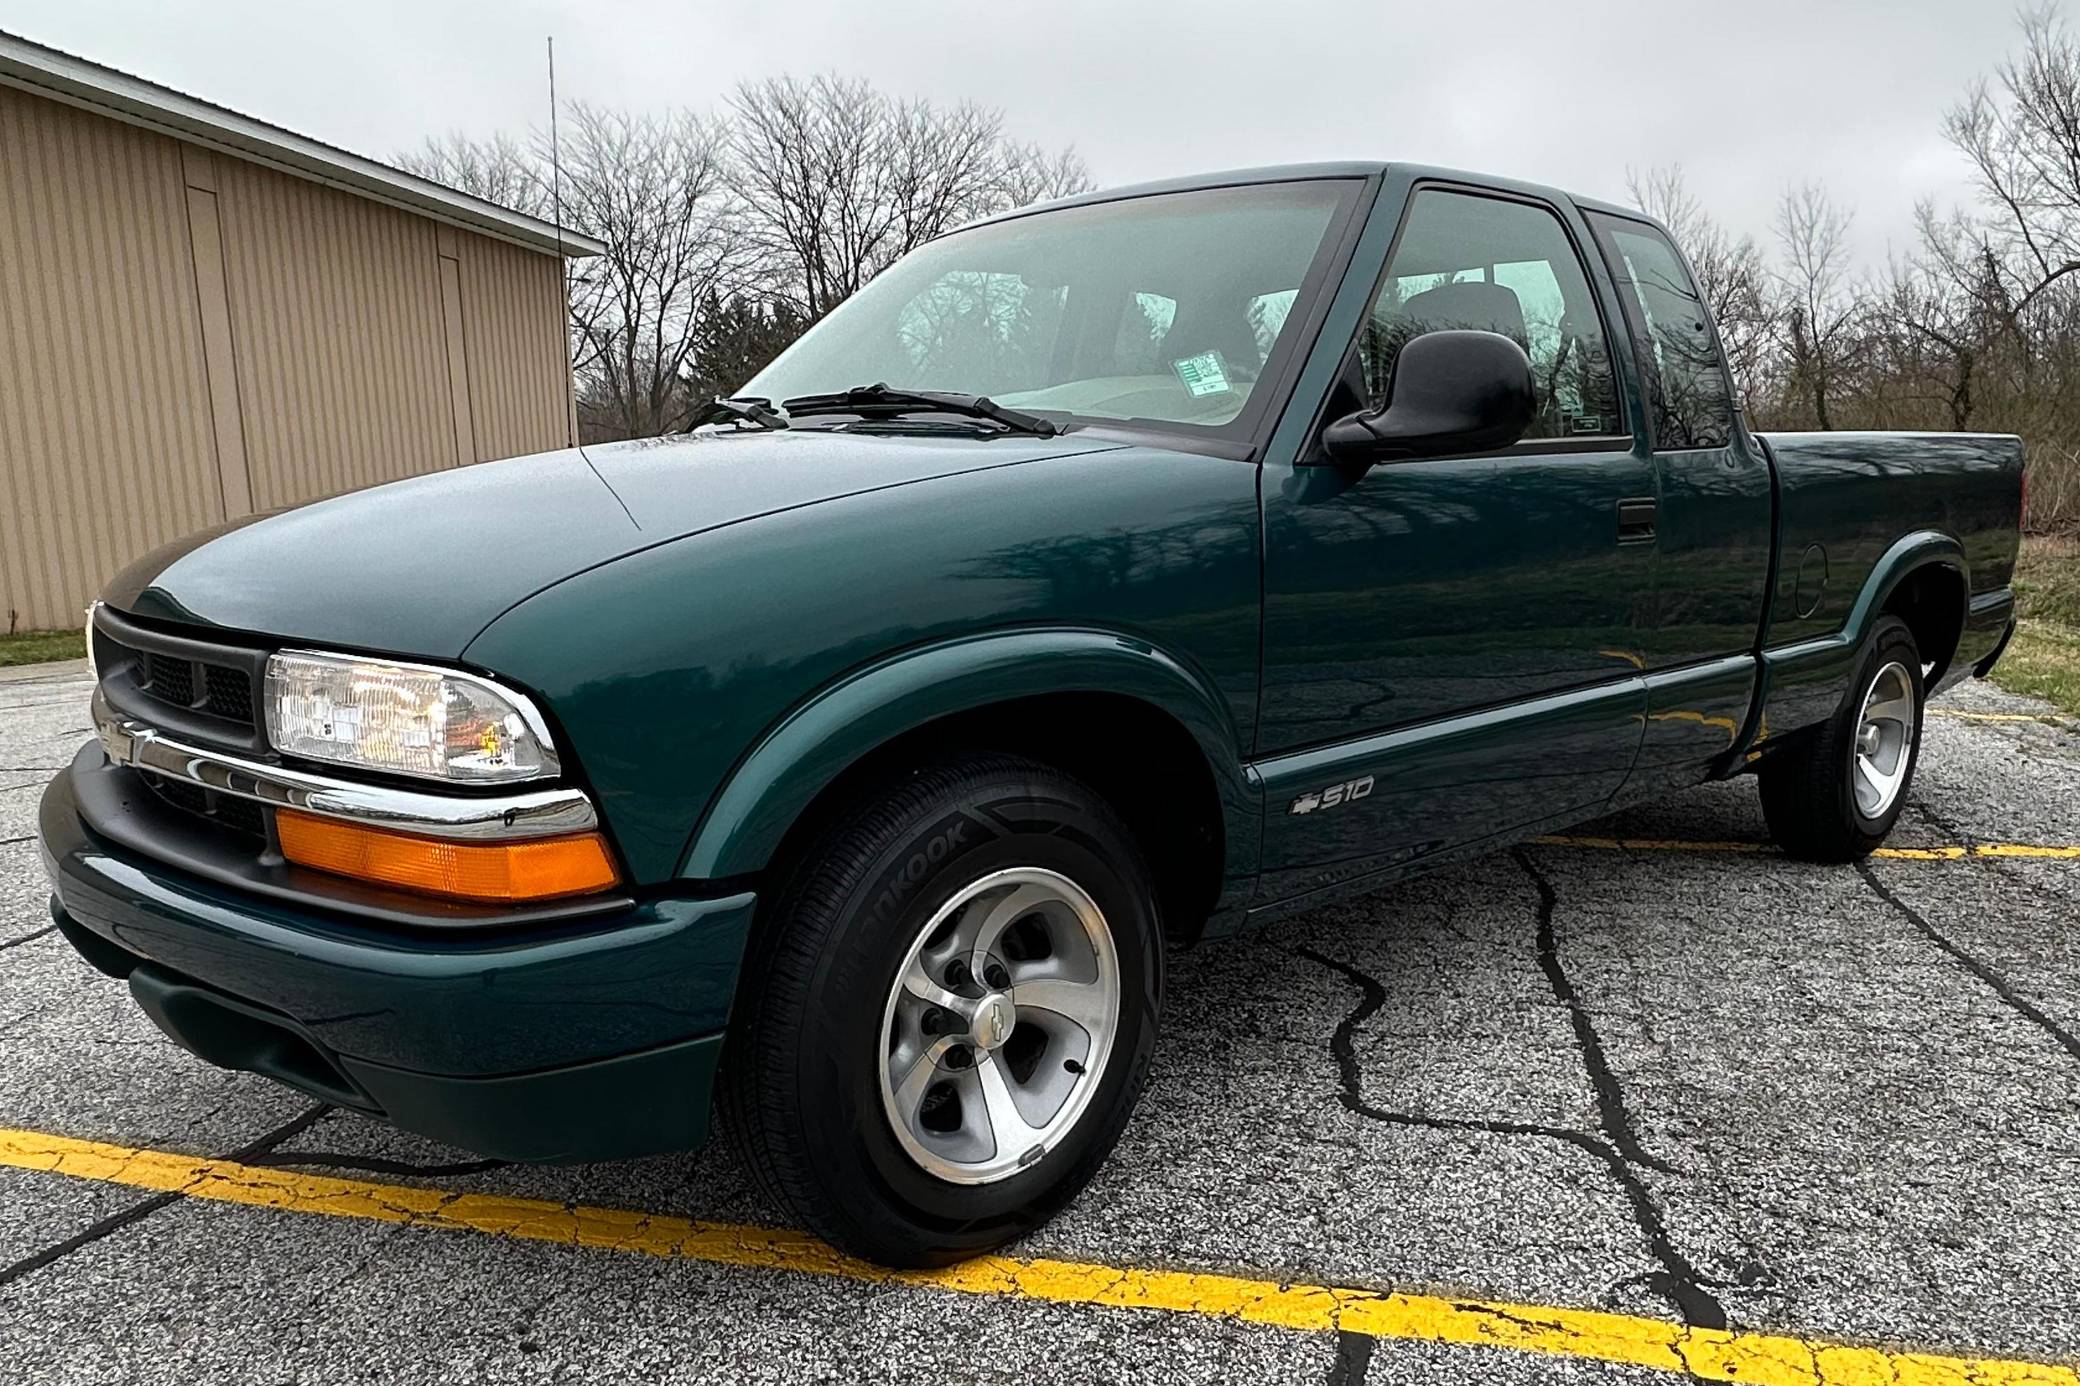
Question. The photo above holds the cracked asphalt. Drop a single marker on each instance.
(1705, 1087)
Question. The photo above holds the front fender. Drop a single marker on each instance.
(815, 742)
(1805, 682)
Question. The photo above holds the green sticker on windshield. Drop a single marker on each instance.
(1204, 374)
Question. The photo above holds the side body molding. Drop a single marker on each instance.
(821, 737)
(1805, 682)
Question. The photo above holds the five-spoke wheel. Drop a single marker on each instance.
(1885, 739)
(1000, 1024)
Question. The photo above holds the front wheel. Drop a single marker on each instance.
(1836, 796)
(950, 1013)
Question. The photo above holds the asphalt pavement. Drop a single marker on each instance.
(1655, 1070)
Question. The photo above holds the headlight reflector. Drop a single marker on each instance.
(404, 719)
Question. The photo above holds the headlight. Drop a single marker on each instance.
(405, 719)
(93, 669)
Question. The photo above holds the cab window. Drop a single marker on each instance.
(1494, 265)
(1693, 399)
(1166, 309)
(997, 324)
(1144, 322)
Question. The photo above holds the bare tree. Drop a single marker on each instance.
(2013, 262)
(1821, 309)
(501, 169)
(839, 180)
(2023, 139)
(766, 217)
(1931, 321)
(1029, 174)
(653, 188)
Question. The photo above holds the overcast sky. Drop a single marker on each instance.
(1748, 95)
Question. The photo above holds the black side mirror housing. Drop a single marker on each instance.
(1452, 392)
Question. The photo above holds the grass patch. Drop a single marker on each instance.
(42, 646)
(2043, 660)
(2047, 579)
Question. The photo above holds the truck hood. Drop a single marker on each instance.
(419, 567)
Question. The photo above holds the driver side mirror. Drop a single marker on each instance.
(1451, 392)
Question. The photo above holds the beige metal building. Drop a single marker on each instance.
(202, 316)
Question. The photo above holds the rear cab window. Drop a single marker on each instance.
(1690, 394)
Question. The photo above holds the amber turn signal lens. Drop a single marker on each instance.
(505, 872)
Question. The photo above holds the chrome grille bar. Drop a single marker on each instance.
(535, 813)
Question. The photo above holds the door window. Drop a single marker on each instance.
(1693, 400)
(1464, 261)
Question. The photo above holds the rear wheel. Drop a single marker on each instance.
(950, 1013)
(1836, 796)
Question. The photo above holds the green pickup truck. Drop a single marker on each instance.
(1102, 578)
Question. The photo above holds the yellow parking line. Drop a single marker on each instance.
(2049, 718)
(1712, 1354)
(2047, 851)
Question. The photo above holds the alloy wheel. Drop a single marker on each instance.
(997, 1030)
(1884, 741)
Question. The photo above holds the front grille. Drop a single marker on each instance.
(224, 691)
(199, 689)
(169, 680)
(236, 815)
(227, 693)
(188, 687)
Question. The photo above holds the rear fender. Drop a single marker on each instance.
(817, 741)
(1804, 684)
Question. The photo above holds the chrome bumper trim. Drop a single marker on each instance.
(537, 813)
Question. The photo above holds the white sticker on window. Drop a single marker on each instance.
(1204, 374)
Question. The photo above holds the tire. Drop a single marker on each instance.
(840, 1082)
(1817, 802)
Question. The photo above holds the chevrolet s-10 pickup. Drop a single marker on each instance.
(1102, 578)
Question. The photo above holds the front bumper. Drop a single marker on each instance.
(590, 1038)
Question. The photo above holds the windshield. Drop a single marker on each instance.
(1165, 309)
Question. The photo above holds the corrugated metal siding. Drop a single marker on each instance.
(106, 448)
(364, 343)
(512, 322)
(342, 358)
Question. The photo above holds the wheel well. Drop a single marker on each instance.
(1931, 600)
(1140, 758)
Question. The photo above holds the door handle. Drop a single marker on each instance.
(1636, 521)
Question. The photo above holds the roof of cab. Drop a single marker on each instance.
(1295, 173)
(1199, 182)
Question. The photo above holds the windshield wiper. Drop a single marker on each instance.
(743, 409)
(880, 402)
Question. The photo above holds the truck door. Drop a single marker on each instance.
(1452, 646)
(1714, 523)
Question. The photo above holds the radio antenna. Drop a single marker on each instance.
(563, 264)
